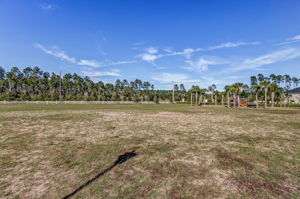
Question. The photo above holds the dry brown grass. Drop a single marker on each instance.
(183, 152)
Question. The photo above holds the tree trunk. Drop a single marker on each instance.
(201, 98)
(256, 99)
(266, 97)
(196, 98)
(9, 85)
(216, 100)
(191, 99)
(272, 97)
(284, 101)
(239, 101)
(222, 100)
(234, 100)
(228, 101)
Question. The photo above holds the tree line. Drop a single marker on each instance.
(262, 89)
(35, 84)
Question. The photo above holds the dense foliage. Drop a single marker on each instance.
(34, 84)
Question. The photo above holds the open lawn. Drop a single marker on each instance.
(48, 151)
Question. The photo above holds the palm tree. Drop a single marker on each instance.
(212, 89)
(287, 80)
(2, 77)
(196, 89)
(227, 90)
(239, 87)
(295, 81)
(256, 88)
(265, 85)
(261, 77)
(222, 97)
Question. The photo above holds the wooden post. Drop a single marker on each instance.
(196, 98)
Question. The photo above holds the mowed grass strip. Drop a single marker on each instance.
(48, 151)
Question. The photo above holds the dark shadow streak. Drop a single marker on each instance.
(121, 159)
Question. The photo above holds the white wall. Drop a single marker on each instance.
(296, 98)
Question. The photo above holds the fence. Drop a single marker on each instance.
(80, 102)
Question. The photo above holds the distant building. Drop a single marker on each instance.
(295, 93)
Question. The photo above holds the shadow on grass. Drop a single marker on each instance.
(121, 159)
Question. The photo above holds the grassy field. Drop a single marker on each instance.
(48, 151)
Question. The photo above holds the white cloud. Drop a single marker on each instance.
(83, 62)
(266, 59)
(120, 62)
(289, 41)
(187, 52)
(89, 63)
(57, 53)
(202, 64)
(148, 57)
(166, 80)
(232, 45)
(170, 77)
(297, 37)
(47, 6)
(151, 50)
(101, 73)
(151, 55)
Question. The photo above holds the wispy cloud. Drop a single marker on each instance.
(101, 73)
(167, 79)
(56, 52)
(170, 77)
(151, 50)
(47, 6)
(288, 41)
(187, 52)
(91, 63)
(266, 59)
(152, 53)
(297, 37)
(202, 63)
(232, 45)
(149, 57)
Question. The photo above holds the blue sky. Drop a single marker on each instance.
(192, 42)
